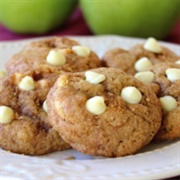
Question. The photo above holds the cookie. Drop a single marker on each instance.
(139, 58)
(60, 53)
(121, 59)
(167, 75)
(104, 112)
(24, 124)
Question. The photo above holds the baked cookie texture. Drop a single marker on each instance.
(24, 126)
(126, 60)
(167, 75)
(93, 112)
(54, 42)
(61, 53)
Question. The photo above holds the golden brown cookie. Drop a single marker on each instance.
(139, 58)
(24, 124)
(104, 112)
(121, 59)
(60, 53)
(167, 75)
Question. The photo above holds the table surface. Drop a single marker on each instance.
(77, 26)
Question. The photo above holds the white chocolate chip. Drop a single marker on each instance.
(143, 64)
(145, 77)
(173, 74)
(45, 106)
(94, 77)
(152, 45)
(178, 61)
(26, 83)
(2, 73)
(96, 105)
(56, 58)
(168, 103)
(131, 95)
(6, 114)
(81, 51)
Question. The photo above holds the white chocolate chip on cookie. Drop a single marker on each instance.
(146, 77)
(152, 45)
(27, 83)
(96, 105)
(44, 106)
(56, 58)
(2, 73)
(6, 114)
(81, 51)
(173, 74)
(178, 61)
(168, 103)
(143, 64)
(131, 95)
(94, 77)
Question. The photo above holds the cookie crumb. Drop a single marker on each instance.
(70, 158)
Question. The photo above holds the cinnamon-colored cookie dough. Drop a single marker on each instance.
(167, 75)
(139, 58)
(24, 124)
(60, 53)
(104, 112)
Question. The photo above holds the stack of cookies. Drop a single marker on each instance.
(159, 68)
(25, 127)
(59, 95)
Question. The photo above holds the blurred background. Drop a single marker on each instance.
(136, 18)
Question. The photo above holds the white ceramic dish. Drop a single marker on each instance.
(155, 161)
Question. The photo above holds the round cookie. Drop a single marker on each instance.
(121, 59)
(167, 75)
(60, 53)
(139, 58)
(24, 124)
(104, 112)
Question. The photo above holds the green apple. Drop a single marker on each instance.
(139, 18)
(35, 16)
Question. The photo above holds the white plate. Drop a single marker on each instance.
(155, 161)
